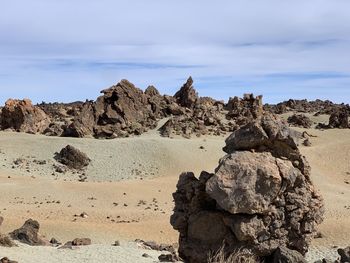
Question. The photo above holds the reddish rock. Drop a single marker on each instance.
(22, 116)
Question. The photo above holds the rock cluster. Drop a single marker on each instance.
(22, 116)
(125, 110)
(300, 120)
(260, 196)
(339, 119)
(318, 106)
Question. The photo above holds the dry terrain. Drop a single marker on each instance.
(127, 194)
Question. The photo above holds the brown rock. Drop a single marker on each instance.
(339, 119)
(285, 255)
(7, 260)
(84, 123)
(81, 242)
(72, 157)
(300, 120)
(22, 116)
(29, 234)
(259, 198)
(187, 95)
(5, 241)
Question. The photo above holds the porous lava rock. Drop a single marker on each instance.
(260, 196)
(23, 116)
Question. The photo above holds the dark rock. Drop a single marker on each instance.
(300, 120)
(7, 260)
(339, 119)
(5, 241)
(72, 157)
(29, 234)
(344, 254)
(187, 95)
(81, 242)
(285, 255)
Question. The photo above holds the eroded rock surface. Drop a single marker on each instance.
(260, 196)
(22, 116)
(29, 234)
(72, 157)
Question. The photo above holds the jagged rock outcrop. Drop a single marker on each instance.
(187, 95)
(300, 120)
(29, 234)
(260, 196)
(317, 106)
(246, 109)
(22, 116)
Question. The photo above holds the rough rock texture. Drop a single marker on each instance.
(300, 120)
(246, 109)
(7, 260)
(29, 234)
(187, 95)
(339, 119)
(72, 157)
(285, 255)
(5, 241)
(84, 123)
(22, 116)
(260, 196)
(318, 106)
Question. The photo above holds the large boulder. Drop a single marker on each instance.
(72, 157)
(260, 196)
(22, 116)
(29, 234)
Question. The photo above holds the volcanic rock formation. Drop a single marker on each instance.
(29, 234)
(72, 158)
(22, 116)
(260, 196)
(300, 120)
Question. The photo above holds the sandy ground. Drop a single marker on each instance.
(126, 253)
(140, 207)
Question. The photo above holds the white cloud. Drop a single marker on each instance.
(59, 49)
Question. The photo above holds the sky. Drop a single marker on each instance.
(68, 50)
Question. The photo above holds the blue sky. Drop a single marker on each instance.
(67, 50)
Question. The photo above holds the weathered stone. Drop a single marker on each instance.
(300, 120)
(29, 234)
(187, 95)
(72, 157)
(260, 197)
(22, 116)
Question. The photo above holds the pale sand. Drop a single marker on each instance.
(329, 158)
(126, 253)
